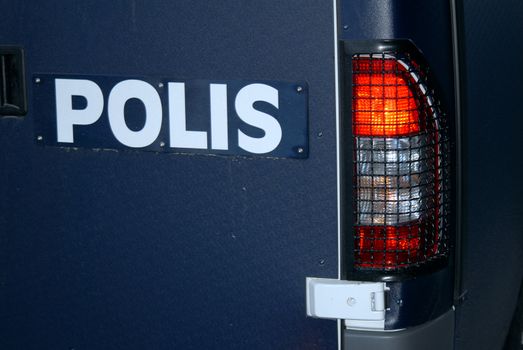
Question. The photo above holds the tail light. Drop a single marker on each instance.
(400, 153)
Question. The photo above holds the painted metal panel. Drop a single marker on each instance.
(491, 81)
(118, 249)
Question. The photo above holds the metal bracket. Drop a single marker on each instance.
(360, 304)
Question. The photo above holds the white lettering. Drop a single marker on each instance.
(66, 116)
(178, 133)
(148, 95)
(247, 104)
(245, 100)
(219, 123)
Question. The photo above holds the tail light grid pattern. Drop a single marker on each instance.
(401, 164)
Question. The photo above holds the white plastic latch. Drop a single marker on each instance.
(360, 304)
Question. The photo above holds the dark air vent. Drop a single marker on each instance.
(12, 81)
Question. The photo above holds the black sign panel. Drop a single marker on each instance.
(260, 118)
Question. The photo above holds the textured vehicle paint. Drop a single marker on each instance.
(492, 80)
(138, 250)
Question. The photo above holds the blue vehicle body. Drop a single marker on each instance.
(114, 248)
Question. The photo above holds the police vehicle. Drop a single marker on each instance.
(261, 174)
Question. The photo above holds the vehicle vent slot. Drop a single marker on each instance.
(13, 99)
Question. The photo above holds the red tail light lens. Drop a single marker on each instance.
(384, 105)
(400, 162)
